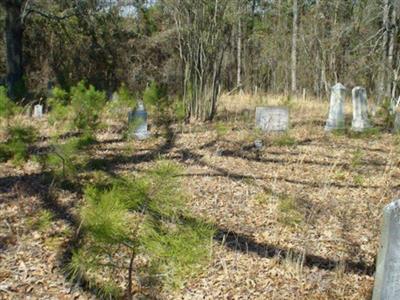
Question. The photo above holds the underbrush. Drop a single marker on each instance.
(17, 142)
(133, 230)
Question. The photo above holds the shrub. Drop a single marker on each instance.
(87, 105)
(127, 217)
(59, 106)
(7, 107)
(156, 100)
(17, 143)
(125, 97)
(386, 112)
(64, 160)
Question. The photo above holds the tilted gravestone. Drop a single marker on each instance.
(336, 108)
(360, 110)
(272, 118)
(38, 111)
(137, 121)
(387, 276)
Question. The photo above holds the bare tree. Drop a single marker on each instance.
(294, 47)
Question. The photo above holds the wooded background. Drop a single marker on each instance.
(196, 49)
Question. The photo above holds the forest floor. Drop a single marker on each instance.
(298, 219)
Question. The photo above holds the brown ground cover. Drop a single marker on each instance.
(298, 219)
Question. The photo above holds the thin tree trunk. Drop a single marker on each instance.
(294, 47)
(239, 52)
(13, 37)
(384, 63)
(392, 44)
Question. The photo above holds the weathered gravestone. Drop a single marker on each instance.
(336, 108)
(38, 111)
(396, 122)
(360, 110)
(272, 118)
(137, 121)
(387, 276)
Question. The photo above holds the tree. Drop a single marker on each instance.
(294, 47)
(203, 34)
(13, 37)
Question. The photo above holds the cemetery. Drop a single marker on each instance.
(214, 149)
(288, 217)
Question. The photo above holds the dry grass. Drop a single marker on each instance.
(303, 217)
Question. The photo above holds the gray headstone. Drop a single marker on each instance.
(272, 118)
(38, 111)
(137, 121)
(336, 108)
(360, 109)
(387, 276)
(258, 143)
(396, 124)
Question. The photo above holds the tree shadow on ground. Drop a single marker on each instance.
(38, 184)
(185, 156)
(246, 245)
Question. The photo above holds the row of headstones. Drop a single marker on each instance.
(276, 118)
(336, 110)
(137, 117)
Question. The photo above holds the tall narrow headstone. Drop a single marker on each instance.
(38, 111)
(272, 118)
(336, 108)
(137, 121)
(396, 122)
(360, 109)
(387, 276)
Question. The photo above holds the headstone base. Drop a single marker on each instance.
(334, 125)
(360, 125)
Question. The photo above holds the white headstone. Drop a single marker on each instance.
(272, 118)
(387, 276)
(138, 120)
(336, 108)
(38, 111)
(360, 109)
(115, 96)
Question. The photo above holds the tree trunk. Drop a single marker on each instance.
(294, 47)
(13, 37)
(239, 51)
(391, 85)
(384, 63)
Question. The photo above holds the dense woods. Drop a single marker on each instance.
(198, 49)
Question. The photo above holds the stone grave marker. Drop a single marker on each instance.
(38, 111)
(336, 108)
(272, 118)
(360, 110)
(137, 121)
(396, 122)
(387, 276)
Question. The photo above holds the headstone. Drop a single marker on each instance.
(38, 111)
(387, 276)
(272, 118)
(396, 123)
(360, 109)
(336, 108)
(258, 143)
(115, 96)
(137, 121)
